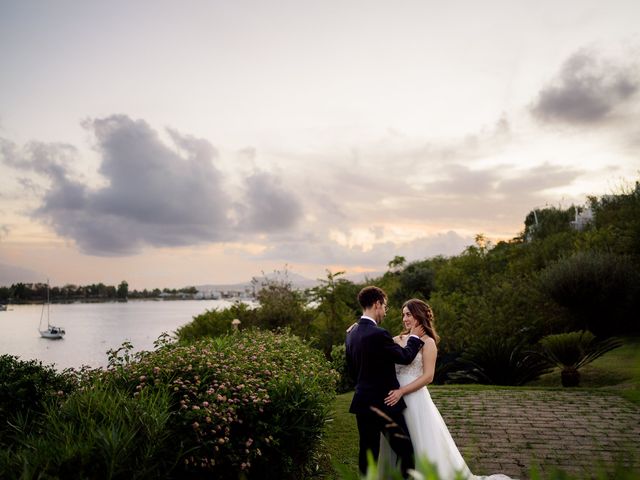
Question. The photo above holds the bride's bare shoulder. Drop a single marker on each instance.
(398, 338)
(429, 342)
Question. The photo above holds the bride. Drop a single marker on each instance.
(429, 434)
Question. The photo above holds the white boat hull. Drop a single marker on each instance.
(53, 334)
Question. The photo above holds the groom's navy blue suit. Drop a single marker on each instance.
(371, 358)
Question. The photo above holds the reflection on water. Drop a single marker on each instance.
(94, 328)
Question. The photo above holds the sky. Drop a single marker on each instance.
(204, 142)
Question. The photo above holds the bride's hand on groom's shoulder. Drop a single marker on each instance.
(393, 397)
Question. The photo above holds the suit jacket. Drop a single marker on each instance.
(371, 358)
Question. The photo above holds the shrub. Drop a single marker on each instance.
(571, 351)
(98, 432)
(214, 323)
(339, 364)
(597, 289)
(281, 305)
(25, 386)
(499, 361)
(254, 402)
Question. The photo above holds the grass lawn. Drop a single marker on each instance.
(341, 442)
(617, 371)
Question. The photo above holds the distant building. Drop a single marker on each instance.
(584, 216)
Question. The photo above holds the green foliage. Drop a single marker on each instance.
(573, 350)
(500, 361)
(339, 364)
(620, 215)
(25, 387)
(495, 304)
(98, 432)
(597, 289)
(542, 223)
(335, 311)
(416, 280)
(253, 403)
(241, 401)
(282, 306)
(214, 323)
(426, 470)
(123, 290)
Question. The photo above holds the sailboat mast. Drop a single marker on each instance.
(48, 303)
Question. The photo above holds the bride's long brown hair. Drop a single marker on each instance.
(422, 312)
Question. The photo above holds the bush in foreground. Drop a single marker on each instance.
(255, 403)
(25, 387)
(97, 432)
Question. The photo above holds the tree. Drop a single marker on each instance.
(417, 279)
(598, 290)
(396, 264)
(123, 290)
(619, 214)
(541, 223)
(334, 314)
(281, 305)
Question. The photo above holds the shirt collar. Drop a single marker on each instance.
(369, 318)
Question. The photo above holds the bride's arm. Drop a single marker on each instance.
(429, 355)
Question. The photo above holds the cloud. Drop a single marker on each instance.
(587, 90)
(320, 250)
(52, 159)
(456, 179)
(360, 205)
(156, 194)
(268, 207)
(538, 179)
(4, 231)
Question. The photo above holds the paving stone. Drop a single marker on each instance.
(510, 431)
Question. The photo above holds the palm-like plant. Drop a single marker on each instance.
(500, 361)
(573, 350)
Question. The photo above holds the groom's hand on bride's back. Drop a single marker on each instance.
(418, 330)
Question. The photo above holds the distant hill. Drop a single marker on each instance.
(298, 281)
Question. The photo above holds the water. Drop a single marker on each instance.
(94, 328)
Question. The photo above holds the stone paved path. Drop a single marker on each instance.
(507, 431)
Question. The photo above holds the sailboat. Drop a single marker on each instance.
(51, 331)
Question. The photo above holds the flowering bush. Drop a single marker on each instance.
(255, 402)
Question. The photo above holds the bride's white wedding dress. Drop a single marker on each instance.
(429, 434)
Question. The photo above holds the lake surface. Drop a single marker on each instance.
(94, 328)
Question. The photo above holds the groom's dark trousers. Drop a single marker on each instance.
(371, 358)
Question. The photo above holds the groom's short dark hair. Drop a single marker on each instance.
(370, 295)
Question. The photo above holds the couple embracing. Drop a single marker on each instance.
(395, 414)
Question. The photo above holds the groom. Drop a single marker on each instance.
(371, 358)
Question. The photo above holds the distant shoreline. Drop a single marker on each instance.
(89, 300)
